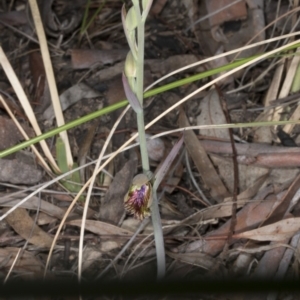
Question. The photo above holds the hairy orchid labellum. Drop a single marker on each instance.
(139, 197)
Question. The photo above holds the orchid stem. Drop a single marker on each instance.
(158, 238)
(158, 233)
(140, 96)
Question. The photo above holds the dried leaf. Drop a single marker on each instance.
(91, 254)
(274, 232)
(101, 228)
(22, 223)
(196, 259)
(276, 214)
(248, 217)
(212, 114)
(33, 203)
(255, 155)
(107, 246)
(70, 97)
(264, 135)
(206, 169)
(132, 225)
(250, 192)
(282, 209)
(87, 58)
(247, 174)
(225, 209)
(44, 219)
(27, 262)
(268, 264)
(170, 183)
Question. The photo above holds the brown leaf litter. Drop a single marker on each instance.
(88, 69)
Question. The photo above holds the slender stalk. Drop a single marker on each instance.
(158, 238)
(140, 93)
(143, 145)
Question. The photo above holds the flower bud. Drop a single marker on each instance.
(130, 66)
(131, 20)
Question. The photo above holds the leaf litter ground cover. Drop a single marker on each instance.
(216, 221)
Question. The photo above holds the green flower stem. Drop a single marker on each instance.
(143, 145)
(140, 96)
(158, 238)
(155, 216)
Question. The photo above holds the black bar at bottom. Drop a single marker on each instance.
(17, 288)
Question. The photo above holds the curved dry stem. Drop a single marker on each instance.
(92, 180)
